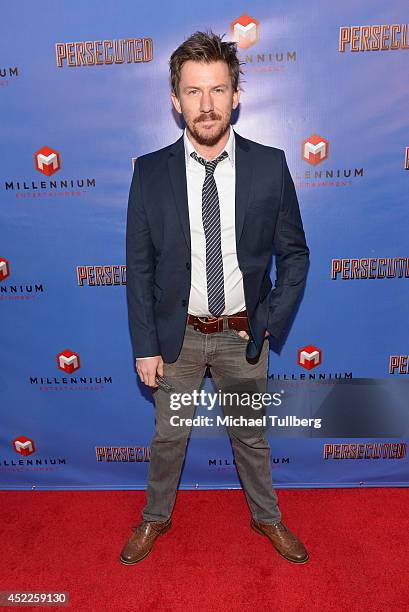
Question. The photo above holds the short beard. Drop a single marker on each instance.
(211, 140)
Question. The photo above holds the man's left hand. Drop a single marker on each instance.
(246, 336)
(243, 333)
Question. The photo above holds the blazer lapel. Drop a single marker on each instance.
(244, 174)
(177, 172)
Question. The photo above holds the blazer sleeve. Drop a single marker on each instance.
(292, 258)
(140, 267)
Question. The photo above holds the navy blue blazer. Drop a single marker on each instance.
(158, 250)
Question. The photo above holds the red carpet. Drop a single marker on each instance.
(358, 540)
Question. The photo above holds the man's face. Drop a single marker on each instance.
(206, 100)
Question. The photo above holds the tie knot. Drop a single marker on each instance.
(210, 166)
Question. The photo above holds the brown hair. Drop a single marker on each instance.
(204, 47)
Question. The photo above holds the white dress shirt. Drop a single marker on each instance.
(225, 177)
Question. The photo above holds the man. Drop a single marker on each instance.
(204, 216)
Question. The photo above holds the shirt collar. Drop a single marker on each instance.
(230, 145)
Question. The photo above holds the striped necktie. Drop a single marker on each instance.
(212, 230)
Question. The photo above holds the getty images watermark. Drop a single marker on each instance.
(239, 402)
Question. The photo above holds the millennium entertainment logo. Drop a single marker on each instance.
(246, 32)
(315, 151)
(309, 357)
(26, 448)
(69, 362)
(47, 161)
(16, 290)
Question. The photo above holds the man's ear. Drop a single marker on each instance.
(236, 98)
(176, 103)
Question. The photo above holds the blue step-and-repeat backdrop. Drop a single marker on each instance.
(84, 90)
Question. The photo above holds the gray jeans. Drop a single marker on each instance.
(224, 352)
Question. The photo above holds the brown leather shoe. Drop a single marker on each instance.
(141, 541)
(283, 540)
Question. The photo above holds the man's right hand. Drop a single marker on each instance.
(147, 369)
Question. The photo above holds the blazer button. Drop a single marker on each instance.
(187, 265)
(184, 302)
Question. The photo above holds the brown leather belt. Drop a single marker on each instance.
(210, 325)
